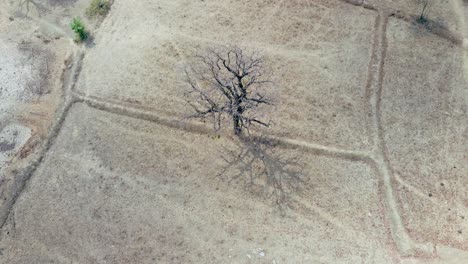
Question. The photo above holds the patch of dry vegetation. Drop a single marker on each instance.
(98, 8)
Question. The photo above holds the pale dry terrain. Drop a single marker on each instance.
(369, 136)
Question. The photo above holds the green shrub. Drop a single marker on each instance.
(79, 29)
(98, 8)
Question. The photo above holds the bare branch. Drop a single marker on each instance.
(228, 81)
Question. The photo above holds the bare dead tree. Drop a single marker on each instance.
(228, 82)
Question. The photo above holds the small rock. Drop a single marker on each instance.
(11, 18)
(248, 255)
(430, 195)
(262, 254)
(459, 231)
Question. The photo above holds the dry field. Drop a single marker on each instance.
(369, 159)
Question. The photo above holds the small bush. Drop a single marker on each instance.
(79, 29)
(98, 8)
(422, 19)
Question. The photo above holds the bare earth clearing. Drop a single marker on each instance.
(97, 164)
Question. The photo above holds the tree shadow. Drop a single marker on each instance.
(90, 41)
(257, 163)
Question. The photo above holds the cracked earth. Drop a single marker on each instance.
(370, 104)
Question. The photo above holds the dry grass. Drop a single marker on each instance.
(98, 8)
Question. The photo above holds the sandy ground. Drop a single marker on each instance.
(370, 120)
(34, 55)
(433, 181)
(317, 55)
(142, 195)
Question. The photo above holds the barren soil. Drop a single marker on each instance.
(368, 149)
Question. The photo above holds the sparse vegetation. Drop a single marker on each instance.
(98, 8)
(228, 82)
(79, 29)
(424, 11)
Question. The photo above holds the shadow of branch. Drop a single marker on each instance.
(24, 7)
(264, 172)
